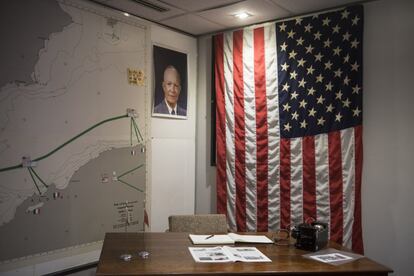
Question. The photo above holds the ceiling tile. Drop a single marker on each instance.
(206, 16)
(260, 9)
(198, 5)
(192, 24)
(142, 11)
(306, 6)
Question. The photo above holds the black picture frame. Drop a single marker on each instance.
(164, 58)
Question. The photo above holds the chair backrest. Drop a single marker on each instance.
(198, 224)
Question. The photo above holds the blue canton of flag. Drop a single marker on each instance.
(320, 72)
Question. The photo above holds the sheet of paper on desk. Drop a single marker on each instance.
(230, 238)
(224, 254)
(333, 256)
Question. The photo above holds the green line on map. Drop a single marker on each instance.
(11, 168)
(34, 181)
(71, 140)
(136, 133)
(136, 127)
(135, 130)
(130, 171)
(130, 185)
(79, 135)
(38, 177)
(130, 132)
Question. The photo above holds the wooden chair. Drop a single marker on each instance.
(198, 224)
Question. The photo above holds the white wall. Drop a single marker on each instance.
(388, 170)
(171, 184)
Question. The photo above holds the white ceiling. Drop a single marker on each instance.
(198, 17)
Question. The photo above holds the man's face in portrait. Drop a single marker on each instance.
(171, 86)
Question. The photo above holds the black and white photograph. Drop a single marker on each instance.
(330, 258)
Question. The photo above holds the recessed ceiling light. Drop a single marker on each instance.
(126, 14)
(242, 15)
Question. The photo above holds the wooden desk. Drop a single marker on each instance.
(169, 254)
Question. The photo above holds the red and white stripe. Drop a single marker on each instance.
(265, 182)
(271, 120)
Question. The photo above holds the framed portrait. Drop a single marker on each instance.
(170, 83)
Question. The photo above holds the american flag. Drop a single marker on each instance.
(289, 124)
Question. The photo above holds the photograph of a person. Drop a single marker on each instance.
(170, 89)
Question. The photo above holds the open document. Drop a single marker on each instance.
(224, 254)
(229, 238)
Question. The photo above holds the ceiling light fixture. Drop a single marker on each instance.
(242, 15)
(126, 14)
